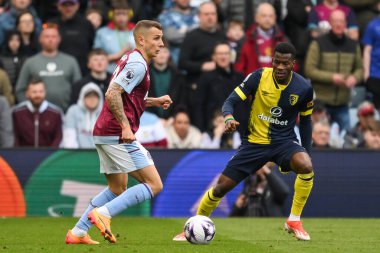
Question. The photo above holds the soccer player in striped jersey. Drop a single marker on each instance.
(278, 95)
(120, 154)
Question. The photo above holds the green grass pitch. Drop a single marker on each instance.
(245, 235)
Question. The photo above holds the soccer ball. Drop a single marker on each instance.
(199, 229)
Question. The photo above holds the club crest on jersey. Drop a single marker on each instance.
(130, 74)
(293, 98)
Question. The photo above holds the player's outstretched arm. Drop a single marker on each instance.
(115, 104)
(163, 101)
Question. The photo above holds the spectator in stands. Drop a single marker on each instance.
(215, 137)
(321, 134)
(6, 87)
(151, 132)
(320, 114)
(235, 37)
(372, 136)
(6, 128)
(117, 37)
(196, 51)
(145, 9)
(244, 10)
(81, 117)
(260, 41)
(37, 122)
(95, 17)
(364, 11)
(263, 195)
(296, 28)
(8, 18)
(57, 70)
(77, 32)
(166, 79)
(3, 6)
(366, 116)
(319, 19)
(214, 88)
(331, 76)
(371, 59)
(12, 56)
(97, 63)
(182, 134)
(25, 25)
(176, 22)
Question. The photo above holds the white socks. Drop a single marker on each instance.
(294, 217)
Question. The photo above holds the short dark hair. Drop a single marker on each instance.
(34, 80)
(218, 43)
(285, 48)
(119, 5)
(96, 51)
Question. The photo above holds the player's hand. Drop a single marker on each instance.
(127, 135)
(164, 101)
(231, 126)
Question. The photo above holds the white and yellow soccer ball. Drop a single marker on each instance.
(199, 229)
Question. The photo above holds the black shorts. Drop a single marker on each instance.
(251, 157)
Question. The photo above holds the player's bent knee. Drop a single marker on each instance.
(218, 192)
(156, 187)
(117, 190)
(305, 169)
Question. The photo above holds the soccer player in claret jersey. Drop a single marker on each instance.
(119, 153)
(279, 95)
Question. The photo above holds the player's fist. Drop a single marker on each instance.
(231, 126)
(127, 135)
(165, 101)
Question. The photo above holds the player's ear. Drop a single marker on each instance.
(140, 40)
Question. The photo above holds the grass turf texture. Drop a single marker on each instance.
(232, 235)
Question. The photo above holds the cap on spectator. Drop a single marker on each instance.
(366, 108)
(67, 1)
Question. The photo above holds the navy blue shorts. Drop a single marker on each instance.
(251, 157)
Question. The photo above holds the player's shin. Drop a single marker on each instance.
(302, 189)
(208, 203)
(83, 225)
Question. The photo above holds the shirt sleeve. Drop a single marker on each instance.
(368, 38)
(313, 20)
(307, 104)
(249, 85)
(241, 92)
(131, 76)
(351, 21)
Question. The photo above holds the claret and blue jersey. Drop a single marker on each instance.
(275, 107)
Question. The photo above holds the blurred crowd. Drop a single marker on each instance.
(57, 58)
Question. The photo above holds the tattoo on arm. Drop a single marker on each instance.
(115, 103)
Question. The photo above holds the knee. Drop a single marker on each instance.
(117, 190)
(218, 191)
(305, 169)
(157, 187)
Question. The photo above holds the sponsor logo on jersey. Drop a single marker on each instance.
(273, 120)
(265, 93)
(293, 98)
(276, 111)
